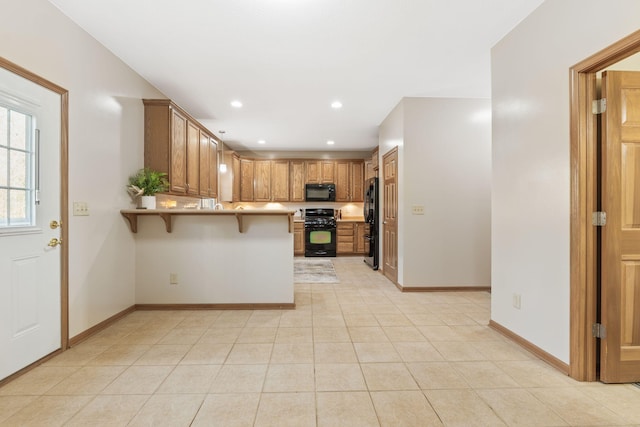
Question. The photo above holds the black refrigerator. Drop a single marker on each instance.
(371, 217)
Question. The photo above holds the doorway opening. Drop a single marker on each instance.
(585, 200)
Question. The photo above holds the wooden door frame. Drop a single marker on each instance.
(584, 201)
(64, 193)
(392, 151)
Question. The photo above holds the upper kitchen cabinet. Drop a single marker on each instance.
(208, 165)
(280, 180)
(270, 181)
(349, 180)
(247, 176)
(297, 180)
(262, 180)
(320, 171)
(173, 145)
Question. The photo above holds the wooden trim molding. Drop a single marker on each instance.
(100, 326)
(532, 348)
(584, 200)
(256, 306)
(444, 288)
(29, 367)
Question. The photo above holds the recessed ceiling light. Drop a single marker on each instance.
(262, 141)
(330, 142)
(236, 104)
(336, 105)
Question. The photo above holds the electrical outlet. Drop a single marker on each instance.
(173, 278)
(417, 210)
(517, 301)
(80, 209)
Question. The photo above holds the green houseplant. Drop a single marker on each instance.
(144, 185)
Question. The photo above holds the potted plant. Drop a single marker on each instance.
(144, 185)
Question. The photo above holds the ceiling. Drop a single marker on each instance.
(288, 60)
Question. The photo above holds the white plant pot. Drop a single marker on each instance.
(147, 202)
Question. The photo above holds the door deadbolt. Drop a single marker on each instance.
(54, 242)
(55, 224)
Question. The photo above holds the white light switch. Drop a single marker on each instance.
(417, 210)
(80, 209)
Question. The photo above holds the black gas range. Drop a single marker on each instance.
(319, 232)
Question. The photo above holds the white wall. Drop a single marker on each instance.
(105, 146)
(447, 169)
(530, 183)
(444, 163)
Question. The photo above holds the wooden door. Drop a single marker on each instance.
(390, 215)
(262, 179)
(298, 238)
(342, 170)
(246, 180)
(313, 172)
(356, 191)
(205, 161)
(236, 181)
(280, 180)
(620, 281)
(178, 158)
(297, 181)
(31, 295)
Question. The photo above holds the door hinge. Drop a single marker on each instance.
(599, 331)
(599, 106)
(599, 218)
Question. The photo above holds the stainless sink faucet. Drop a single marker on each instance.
(218, 206)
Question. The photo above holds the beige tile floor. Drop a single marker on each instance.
(358, 353)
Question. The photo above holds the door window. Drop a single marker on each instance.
(17, 158)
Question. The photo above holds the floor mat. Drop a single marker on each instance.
(314, 271)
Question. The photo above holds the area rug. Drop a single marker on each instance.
(317, 270)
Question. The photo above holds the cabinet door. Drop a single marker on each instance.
(342, 171)
(280, 180)
(236, 179)
(298, 238)
(213, 168)
(205, 160)
(297, 181)
(178, 163)
(361, 245)
(262, 180)
(344, 239)
(246, 180)
(356, 176)
(193, 159)
(313, 172)
(328, 172)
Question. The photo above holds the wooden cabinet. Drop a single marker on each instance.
(320, 171)
(261, 181)
(208, 165)
(176, 144)
(237, 180)
(344, 237)
(298, 238)
(349, 180)
(350, 238)
(246, 180)
(280, 180)
(361, 244)
(296, 168)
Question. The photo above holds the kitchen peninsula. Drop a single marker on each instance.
(204, 258)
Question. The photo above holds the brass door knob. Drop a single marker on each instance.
(55, 224)
(54, 242)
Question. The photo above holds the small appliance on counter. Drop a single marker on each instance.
(371, 217)
(319, 233)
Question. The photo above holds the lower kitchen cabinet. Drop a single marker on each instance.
(298, 238)
(350, 238)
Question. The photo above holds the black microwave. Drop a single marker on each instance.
(320, 192)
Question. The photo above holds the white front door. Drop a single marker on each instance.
(30, 279)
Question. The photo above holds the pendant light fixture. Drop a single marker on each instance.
(223, 165)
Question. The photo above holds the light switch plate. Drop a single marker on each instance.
(80, 209)
(417, 210)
